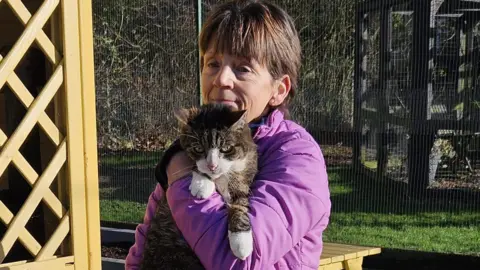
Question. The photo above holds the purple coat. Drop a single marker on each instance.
(290, 207)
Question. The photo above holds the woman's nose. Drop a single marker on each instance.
(224, 78)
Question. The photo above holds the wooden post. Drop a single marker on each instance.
(421, 139)
(456, 63)
(359, 84)
(3, 126)
(474, 103)
(471, 92)
(382, 98)
(89, 134)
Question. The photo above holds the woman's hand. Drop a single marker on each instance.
(179, 166)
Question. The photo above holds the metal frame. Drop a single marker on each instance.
(421, 126)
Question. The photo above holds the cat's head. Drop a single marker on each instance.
(217, 138)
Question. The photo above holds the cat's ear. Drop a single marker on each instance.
(240, 118)
(182, 115)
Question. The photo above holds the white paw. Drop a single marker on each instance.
(201, 186)
(241, 243)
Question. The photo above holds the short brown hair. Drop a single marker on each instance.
(255, 30)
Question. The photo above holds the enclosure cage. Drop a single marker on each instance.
(417, 96)
(49, 207)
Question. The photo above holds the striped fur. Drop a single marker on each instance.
(216, 127)
(212, 134)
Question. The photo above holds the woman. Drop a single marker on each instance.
(251, 55)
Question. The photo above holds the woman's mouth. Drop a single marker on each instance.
(227, 102)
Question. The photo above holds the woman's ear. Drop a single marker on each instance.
(282, 88)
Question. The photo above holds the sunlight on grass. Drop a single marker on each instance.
(106, 191)
(422, 232)
(371, 164)
(122, 211)
(335, 186)
(369, 214)
(129, 160)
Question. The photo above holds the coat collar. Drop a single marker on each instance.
(268, 123)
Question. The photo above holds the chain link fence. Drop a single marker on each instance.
(146, 64)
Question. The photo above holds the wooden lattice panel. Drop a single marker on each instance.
(70, 89)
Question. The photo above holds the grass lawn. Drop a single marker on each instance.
(372, 213)
(122, 211)
(131, 159)
(368, 213)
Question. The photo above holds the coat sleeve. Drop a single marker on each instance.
(289, 196)
(132, 261)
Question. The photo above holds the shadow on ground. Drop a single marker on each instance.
(353, 192)
(128, 176)
(367, 210)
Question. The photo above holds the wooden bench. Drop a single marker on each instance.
(340, 256)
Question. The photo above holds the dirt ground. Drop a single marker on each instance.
(116, 251)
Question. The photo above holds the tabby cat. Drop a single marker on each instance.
(220, 142)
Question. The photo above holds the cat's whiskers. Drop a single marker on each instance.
(196, 134)
(189, 136)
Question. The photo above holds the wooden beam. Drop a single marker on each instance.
(464, 125)
(375, 5)
(382, 98)
(456, 63)
(436, 4)
(421, 63)
(430, 126)
(471, 60)
(63, 263)
(89, 134)
(361, 34)
(420, 141)
(452, 15)
(386, 118)
(470, 4)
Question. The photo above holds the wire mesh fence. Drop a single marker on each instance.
(413, 182)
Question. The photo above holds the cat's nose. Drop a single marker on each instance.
(212, 167)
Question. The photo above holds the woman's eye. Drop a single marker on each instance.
(244, 69)
(212, 64)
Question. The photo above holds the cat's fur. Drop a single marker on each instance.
(213, 136)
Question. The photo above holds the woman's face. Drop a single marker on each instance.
(241, 84)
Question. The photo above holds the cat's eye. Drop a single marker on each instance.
(198, 149)
(226, 149)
